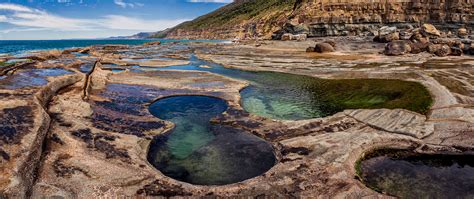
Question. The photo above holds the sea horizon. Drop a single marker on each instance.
(18, 47)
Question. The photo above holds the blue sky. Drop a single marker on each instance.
(65, 19)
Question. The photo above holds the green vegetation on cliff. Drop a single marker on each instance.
(239, 12)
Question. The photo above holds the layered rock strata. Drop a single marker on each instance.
(318, 18)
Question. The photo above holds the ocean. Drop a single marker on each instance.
(15, 47)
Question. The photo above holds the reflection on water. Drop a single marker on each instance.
(31, 78)
(409, 175)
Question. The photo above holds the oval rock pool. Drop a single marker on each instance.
(405, 174)
(201, 153)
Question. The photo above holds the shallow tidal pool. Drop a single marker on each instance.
(200, 153)
(286, 96)
(405, 174)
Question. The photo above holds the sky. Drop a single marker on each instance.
(85, 19)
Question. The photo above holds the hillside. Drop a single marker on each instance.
(247, 19)
(241, 18)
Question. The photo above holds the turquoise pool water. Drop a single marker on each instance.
(200, 153)
(271, 94)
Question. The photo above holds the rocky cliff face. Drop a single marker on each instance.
(246, 19)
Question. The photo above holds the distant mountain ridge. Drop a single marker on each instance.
(249, 19)
(141, 35)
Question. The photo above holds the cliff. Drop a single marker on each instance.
(245, 19)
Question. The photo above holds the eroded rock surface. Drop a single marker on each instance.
(94, 126)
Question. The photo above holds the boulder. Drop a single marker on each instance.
(286, 37)
(418, 37)
(418, 47)
(429, 30)
(432, 48)
(323, 48)
(386, 30)
(455, 51)
(387, 34)
(471, 50)
(440, 50)
(299, 37)
(405, 35)
(387, 38)
(450, 42)
(330, 42)
(291, 37)
(310, 49)
(462, 32)
(399, 47)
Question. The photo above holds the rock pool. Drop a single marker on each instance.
(406, 174)
(295, 97)
(200, 153)
(31, 78)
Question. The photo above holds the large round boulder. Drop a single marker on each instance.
(399, 47)
(323, 47)
(440, 50)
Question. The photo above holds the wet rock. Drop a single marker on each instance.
(100, 142)
(14, 122)
(323, 48)
(396, 48)
(428, 30)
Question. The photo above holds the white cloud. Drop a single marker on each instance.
(14, 7)
(124, 4)
(25, 18)
(211, 1)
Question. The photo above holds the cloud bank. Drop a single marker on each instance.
(27, 18)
